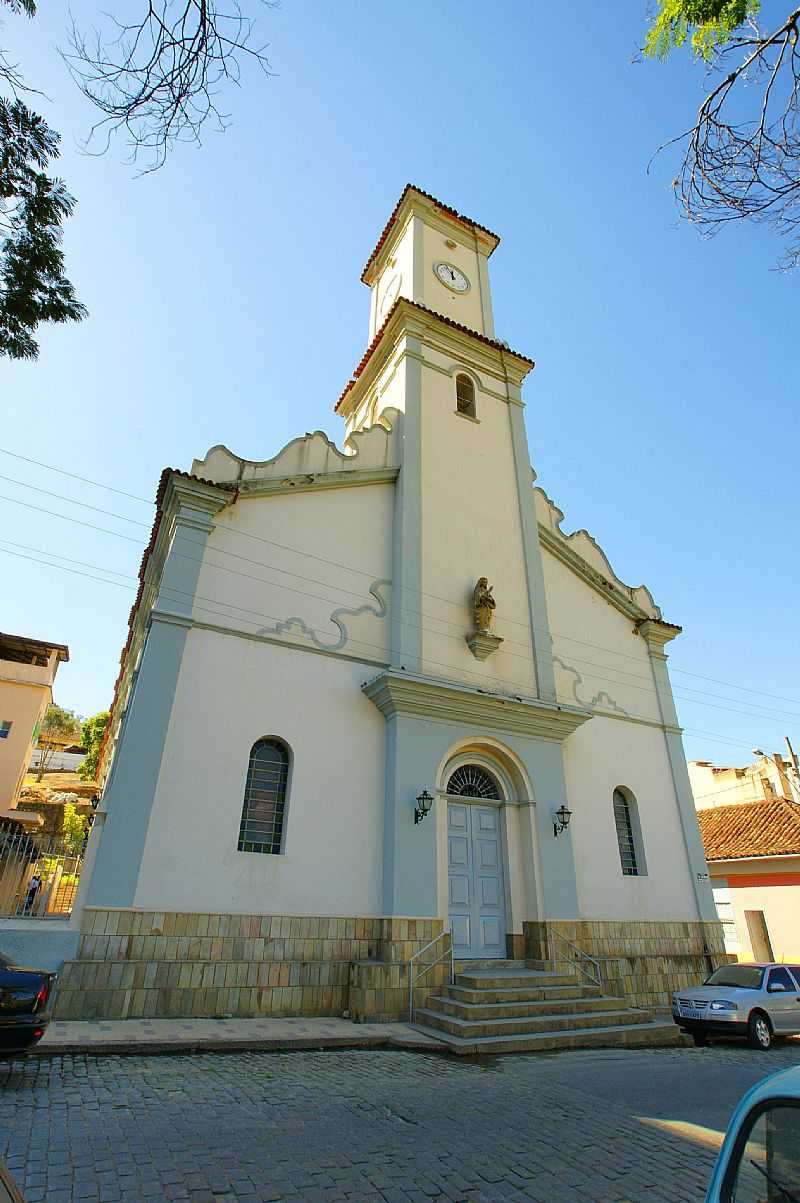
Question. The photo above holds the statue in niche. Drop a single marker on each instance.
(483, 605)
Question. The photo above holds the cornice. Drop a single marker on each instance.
(309, 482)
(414, 201)
(409, 320)
(447, 702)
(657, 632)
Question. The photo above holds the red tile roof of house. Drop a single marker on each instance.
(467, 221)
(769, 828)
(448, 321)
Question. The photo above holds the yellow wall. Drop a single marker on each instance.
(780, 903)
(24, 706)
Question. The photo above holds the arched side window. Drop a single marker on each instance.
(472, 781)
(465, 396)
(629, 834)
(263, 813)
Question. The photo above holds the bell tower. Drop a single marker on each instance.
(432, 255)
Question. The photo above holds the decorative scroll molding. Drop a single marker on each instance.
(600, 699)
(310, 458)
(396, 693)
(298, 626)
(584, 555)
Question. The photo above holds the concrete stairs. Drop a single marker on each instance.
(524, 1006)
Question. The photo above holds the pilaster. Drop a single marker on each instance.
(541, 641)
(127, 802)
(406, 605)
(656, 635)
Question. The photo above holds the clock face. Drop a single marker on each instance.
(390, 293)
(452, 277)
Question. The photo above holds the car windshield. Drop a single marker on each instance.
(745, 977)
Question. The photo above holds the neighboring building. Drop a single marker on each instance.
(315, 644)
(28, 669)
(768, 777)
(753, 852)
(750, 823)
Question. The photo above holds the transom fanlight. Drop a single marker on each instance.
(471, 781)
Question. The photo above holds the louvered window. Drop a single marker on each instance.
(465, 396)
(263, 813)
(471, 781)
(625, 837)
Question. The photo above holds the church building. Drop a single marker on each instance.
(372, 693)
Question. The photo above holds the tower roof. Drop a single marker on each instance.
(411, 191)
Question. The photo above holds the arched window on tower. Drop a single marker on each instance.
(465, 395)
(629, 833)
(263, 812)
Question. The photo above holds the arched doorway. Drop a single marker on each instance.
(475, 877)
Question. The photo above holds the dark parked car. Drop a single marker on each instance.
(25, 999)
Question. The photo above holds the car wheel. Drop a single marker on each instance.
(759, 1031)
(700, 1039)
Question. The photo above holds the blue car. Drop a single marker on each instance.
(759, 1161)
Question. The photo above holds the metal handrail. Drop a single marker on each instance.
(597, 978)
(448, 952)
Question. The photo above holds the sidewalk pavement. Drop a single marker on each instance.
(101, 1036)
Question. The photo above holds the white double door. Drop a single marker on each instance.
(475, 880)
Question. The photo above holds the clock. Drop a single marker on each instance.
(390, 293)
(452, 277)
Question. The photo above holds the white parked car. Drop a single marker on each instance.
(757, 1002)
(759, 1161)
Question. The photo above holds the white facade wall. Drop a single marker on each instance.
(600, 756)
(471, 528)
(602, 664)
(250, 582)
(232, 692)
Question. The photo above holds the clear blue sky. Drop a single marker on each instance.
(226, 307)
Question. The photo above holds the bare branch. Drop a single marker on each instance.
(743, 164)
(157, 79)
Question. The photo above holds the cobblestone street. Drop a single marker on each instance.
(373, 1125)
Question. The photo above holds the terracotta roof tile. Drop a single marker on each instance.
(467, 221)
(769, 828)
(448, 321)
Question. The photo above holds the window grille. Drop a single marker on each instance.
(627, 844)
(465, 396)
(471, 781)
(261, 829)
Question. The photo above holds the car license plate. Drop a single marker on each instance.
(691, 1013)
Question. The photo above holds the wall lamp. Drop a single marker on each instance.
(424, 803)
(561, 819)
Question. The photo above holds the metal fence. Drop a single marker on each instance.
(39, 875)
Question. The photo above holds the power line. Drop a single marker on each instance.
(73, 476)
(352, 593)
(716, 736)
(770, 714)
(72, 501)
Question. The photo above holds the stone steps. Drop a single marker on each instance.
(654, 1034)
(509, 1006)
(527, 1024)
(520, 993)
(499, 979)
(447, 1005)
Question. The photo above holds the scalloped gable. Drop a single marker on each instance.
(309, 455)
(581, 544)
